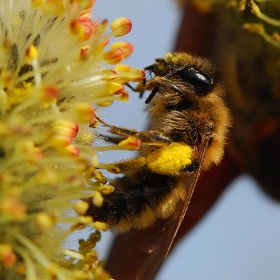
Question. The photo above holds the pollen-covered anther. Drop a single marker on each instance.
(114, 88)
(130, 75)
(49, 94)
(81, 207)
(121, 26)
(78, 226)
(97, 199)
(29, 151)
(113, 56)
(86, 220)
(66, 127)
(98, 48)
(6, 79)
(86, 245)
(254, 27)
(52, 270)
(94, 123)
(125, 96)
(31, 54)
(136, 75)
(84, 52)
(7, 255)
(14, 208)
(21, 269)
(84, 112)
(106, 189)
(71, 125)
(83, 222)
(91, 258)
(122, 68)
(95, 236)
(112, 168)
(131, 143)
(102, 26)
(254, 8)
(109, 75)
(98, 176)
(125, 46)
(276, 36)
(101, 226)
(63, 132)
(70, 150)
(53, 7)
(45, 220)
(83, 28)
(241, 6)
(105, 103)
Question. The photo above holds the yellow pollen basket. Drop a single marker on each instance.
(170, 159)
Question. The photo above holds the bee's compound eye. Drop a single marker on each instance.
(197, 79)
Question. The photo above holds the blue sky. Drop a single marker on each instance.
(240, 237)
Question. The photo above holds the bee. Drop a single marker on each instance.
(189, 122)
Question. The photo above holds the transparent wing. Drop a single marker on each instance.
(159, 238)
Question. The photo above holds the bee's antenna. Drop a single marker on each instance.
(176, 71)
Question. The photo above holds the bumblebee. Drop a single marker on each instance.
(189, 122)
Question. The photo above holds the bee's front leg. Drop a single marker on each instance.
(149, 137)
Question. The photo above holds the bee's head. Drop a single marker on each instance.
(182, 73)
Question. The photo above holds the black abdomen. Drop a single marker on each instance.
(136, 200)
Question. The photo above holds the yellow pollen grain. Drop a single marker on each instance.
(170, 159)
(106, 189)
(101, 226)
(97, 199)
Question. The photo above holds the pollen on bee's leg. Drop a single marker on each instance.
(170, 159)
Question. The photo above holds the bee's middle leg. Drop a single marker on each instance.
(150, 137)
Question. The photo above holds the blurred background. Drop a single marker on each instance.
(239, 238)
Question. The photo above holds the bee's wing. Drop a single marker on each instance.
(159, 238)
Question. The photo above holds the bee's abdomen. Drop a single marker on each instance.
(135, 202)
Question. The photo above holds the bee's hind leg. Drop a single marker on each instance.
(130, 164)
